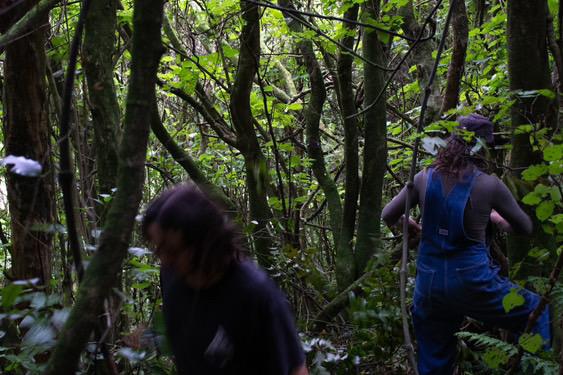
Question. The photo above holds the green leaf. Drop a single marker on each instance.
(531, 343)
(556, 168)
(544, 210)
(512, 300)
(523, 129)
(555, 194)
(9, 295)
(495, 358)
(531, 199)
(294, 107)
(539, 254)
(552, 153)
(383, 36)
(547, 93)
(542, 190)
(533, 172)
(141, 286)
(40, 334)
(553, 6)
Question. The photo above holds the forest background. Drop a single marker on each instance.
(302, 118)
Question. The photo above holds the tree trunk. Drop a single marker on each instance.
(375, 148)
(98, 51)
(422, 56)
(104, 267)
(312, 118)
(345, 258)
(460, 31)
(247, 142)
(528, 68)
(97, 58)
(26, 133)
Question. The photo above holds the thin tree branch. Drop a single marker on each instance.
(410, 187)
(400, 64)
(66, 176)
(23, 25)
(106, 263)
(186, 161)
(332, 18)
(206, 109)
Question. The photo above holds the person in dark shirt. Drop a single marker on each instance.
(223, 314)
(455, 276)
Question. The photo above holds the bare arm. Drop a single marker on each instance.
(500, 222)
(393, 211)
(510, 212)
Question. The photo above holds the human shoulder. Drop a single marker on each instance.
(490, 182)
(420, 179)
(252, 279)
(421, 174)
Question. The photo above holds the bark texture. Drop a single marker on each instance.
(528, 69)
(312, 119)
(460, 31)
(26, 133)
(98, 50)
(422, 55)
(104, 267)
(375, 148)
(247, 141)
(345, 258)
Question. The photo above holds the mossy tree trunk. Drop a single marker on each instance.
(375, 147)
(423, 57)
(104, 267)
(97, 59)
(247, 142)
(345, 89)
(97, 55)
(312, 118)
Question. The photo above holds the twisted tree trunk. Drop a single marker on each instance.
(312, 118)
(247, 141)
(104, 267)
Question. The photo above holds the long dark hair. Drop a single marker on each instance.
(210, 238)
(454, 159)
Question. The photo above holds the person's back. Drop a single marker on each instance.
(488, 193)
(455, 275)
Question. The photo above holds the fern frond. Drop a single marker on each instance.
(532, 364)
(485, 342)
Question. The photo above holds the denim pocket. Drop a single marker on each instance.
(422, 300)
(478, 278)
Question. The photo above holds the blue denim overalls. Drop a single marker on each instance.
(455, 278)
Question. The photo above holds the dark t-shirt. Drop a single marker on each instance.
(241, 325)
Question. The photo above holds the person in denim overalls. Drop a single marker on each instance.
(455, 275)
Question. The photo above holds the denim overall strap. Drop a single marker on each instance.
(455, 278)
(443, 228)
